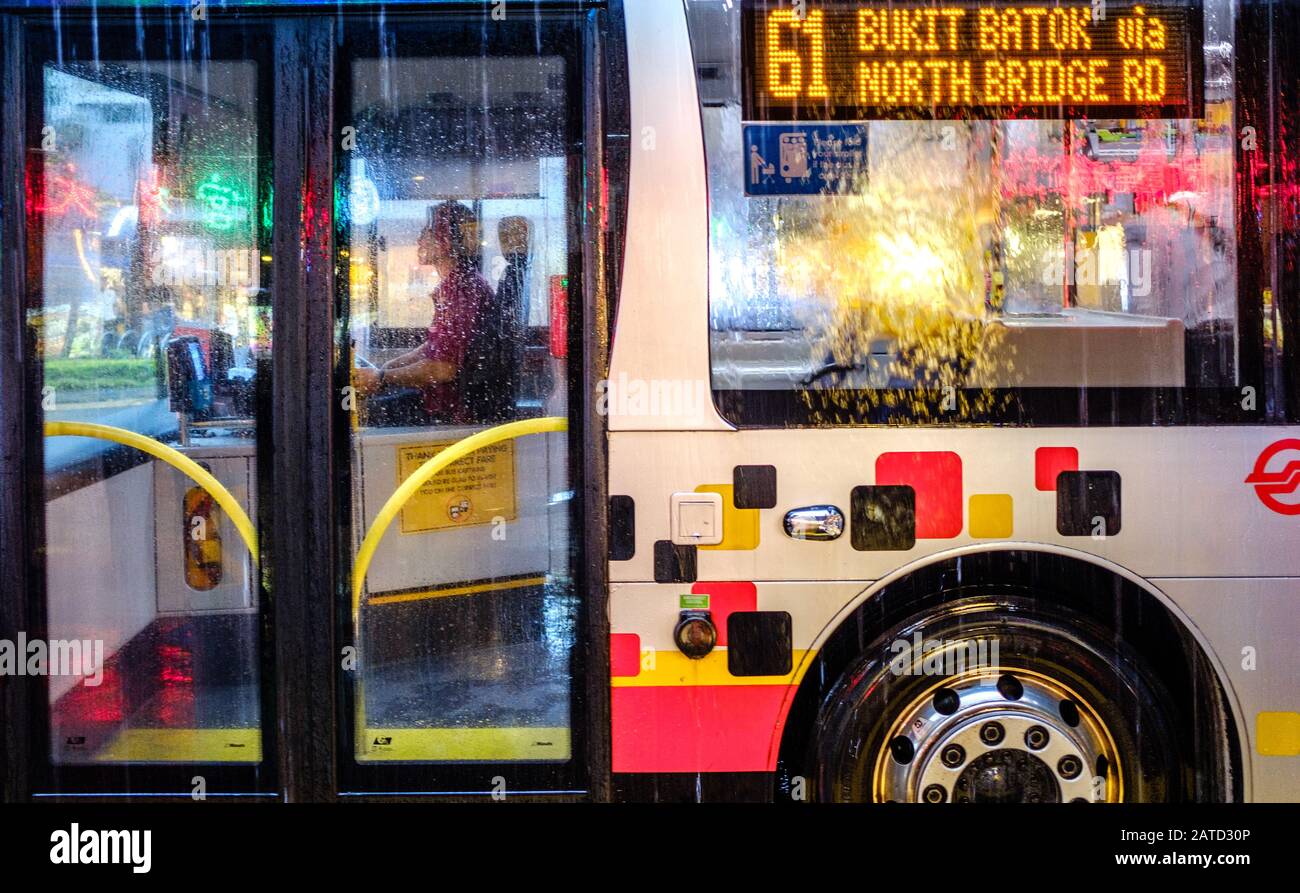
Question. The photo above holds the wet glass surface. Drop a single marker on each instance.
(459, 252)
(153, 325)
(516, 680)
(984, 259)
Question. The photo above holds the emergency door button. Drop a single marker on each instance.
(696, 519)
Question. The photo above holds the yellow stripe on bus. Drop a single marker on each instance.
(1277, 734)
(461, 744)
(184, 746)
(675, 668)
(454, 590)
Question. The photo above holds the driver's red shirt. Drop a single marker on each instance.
(458, 303)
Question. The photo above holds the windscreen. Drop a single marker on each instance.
(956, 212)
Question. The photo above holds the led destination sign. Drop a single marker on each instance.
(839, 60)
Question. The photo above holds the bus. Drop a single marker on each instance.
(650, 400)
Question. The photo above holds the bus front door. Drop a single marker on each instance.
(459, 252)
(405, 186)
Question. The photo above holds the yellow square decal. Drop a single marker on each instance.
(991, 516)
(1277, 734)
(739, 526)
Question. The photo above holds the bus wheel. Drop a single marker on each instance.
(995, 699)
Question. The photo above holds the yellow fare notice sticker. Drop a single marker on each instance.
(473, 490)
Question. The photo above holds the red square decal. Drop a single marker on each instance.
(1049, 462)
(624, 654)
(936, 479)
(725, 599)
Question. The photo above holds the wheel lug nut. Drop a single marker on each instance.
(946, 701)
(934, 794)
(1069, 767)
(1036, 738)
(902, 749)
(1010, 687)
(992, 733)
(953, 756)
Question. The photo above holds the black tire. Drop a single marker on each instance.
(857, 720)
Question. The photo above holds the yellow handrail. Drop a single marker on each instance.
(453, 453)
(175, 459)
(245, 527)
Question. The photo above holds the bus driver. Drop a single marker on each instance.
(460, 300)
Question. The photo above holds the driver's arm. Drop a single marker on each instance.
(414, 355)
(412, 370)
(417, 371)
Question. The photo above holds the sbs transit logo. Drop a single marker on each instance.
(1277, 474)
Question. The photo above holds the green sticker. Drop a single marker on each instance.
(694, 602)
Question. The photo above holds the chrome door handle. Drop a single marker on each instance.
(814, 522)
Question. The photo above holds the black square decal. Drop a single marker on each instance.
(673, 563)
(883, 519)
(1087, 503)
(622, 528)
(760, 643)
(754, 486)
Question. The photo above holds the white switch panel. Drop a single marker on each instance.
(696, 519)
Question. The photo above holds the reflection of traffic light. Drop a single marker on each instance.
(560, 317)
(202, 538)
(223, 205)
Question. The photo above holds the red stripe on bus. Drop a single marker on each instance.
(696, 728)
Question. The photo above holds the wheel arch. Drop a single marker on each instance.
(1133, 608)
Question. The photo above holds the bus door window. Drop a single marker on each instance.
(460, 218)
(150, 249)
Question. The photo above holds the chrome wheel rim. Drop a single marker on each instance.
(998, 734)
